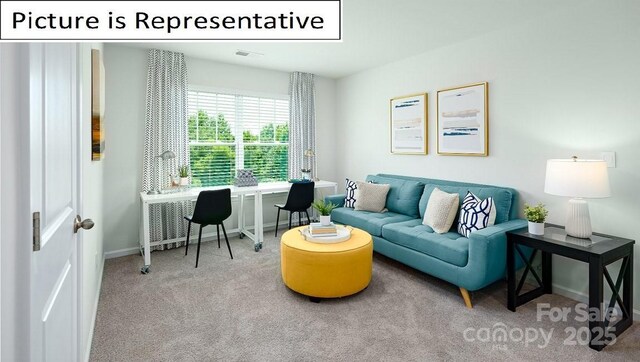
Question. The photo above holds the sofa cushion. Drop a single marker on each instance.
(371, 197)
(350, 193)
(450, 247)
(403, 196)
(501, 198)
(441, 211)
(475, 214)
(371, 222)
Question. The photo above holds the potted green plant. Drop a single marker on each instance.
(183, 171)
(536, 215)
(324, 209)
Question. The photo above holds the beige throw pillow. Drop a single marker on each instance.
(371, 197)
(441, 210)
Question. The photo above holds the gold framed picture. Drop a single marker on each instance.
(408, 123)
(463, 120)
(97, 105)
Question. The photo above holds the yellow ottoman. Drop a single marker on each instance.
(326, 270)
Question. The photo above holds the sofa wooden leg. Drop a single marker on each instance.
(466, 297)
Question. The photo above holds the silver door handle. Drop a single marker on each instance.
(84, 224)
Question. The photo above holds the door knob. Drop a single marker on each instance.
(84, 224)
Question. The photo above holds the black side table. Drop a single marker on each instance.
(599, 251)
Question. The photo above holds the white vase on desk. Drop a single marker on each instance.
(184, 181)
(325, 220)
(536, 228)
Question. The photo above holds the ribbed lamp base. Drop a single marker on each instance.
(578, 219)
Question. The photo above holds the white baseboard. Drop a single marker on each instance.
(582, 297)
(87, 352)
(121, 252)
(135, 250)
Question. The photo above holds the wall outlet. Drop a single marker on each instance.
(609, 157)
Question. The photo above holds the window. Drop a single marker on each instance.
(234, 131)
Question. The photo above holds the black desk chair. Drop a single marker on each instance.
(299, 200)
(212, 208)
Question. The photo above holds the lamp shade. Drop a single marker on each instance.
(577, 178)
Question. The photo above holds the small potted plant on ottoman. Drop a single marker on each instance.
(536, 216)
(324, 209)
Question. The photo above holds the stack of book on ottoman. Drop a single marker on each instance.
(316, 229)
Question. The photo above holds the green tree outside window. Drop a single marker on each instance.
(213, 151)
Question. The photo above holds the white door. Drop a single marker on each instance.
(53, 113)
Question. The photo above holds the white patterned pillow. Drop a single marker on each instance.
(442, 208)
(475, 214)
(371, 197)
(350, 197)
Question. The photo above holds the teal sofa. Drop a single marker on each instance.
(469, 263)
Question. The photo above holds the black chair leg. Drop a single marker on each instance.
(186, 248)
(277, 221)
(227, 240)
(218, 233)
(290, 214)
(308, 219)
(299, 218)
(199, 240)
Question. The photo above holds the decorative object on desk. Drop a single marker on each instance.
(578, 179)
(463, 120)
(97, 105)
(409, 124)
(306, 171)
(183, 171)
(536, 215)
(174, 180)
(166, 155)
(324, 209)
(245, 178)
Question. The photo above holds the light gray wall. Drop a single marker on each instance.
(125, 84)
(92, 207)
(564, 85)
(126, 72)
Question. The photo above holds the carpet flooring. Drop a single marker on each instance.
(239, 310)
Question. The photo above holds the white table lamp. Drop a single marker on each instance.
(166, 155)
(306, 170)
(577, 179)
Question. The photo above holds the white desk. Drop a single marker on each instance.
(192, 194)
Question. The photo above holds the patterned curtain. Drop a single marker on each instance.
(166, 130)
(302, 124)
